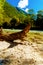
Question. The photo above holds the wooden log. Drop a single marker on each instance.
(15, 36)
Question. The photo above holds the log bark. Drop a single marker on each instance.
(15, 36)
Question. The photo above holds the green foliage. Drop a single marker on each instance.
(31, 11)
(1, 11)
(12, 16)
(9, 10)
(9, 13)
(40, 12)
(13, 22)
(27, 19)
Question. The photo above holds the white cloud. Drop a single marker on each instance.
(23, 3)
(26, 10)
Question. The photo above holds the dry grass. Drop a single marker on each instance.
(33, 36)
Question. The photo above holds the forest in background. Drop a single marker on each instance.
(15, 18)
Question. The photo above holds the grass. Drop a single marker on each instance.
(11, 30)
(35, 36)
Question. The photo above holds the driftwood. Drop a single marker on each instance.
(15, 36)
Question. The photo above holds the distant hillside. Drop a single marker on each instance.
(10, 12)
(21, 11)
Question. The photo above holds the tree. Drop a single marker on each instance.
(39, 20)
(31, 11)
(6, 25)
(40, 12)
(13, 22)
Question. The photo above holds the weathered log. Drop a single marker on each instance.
(15, 36)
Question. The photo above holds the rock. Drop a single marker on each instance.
(24, 54)
(4, 45)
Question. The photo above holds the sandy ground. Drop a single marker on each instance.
(21, 53)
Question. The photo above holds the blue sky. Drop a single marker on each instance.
(27, 4)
